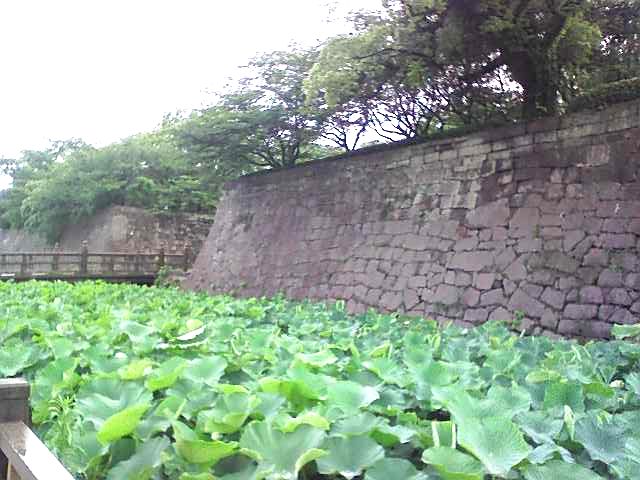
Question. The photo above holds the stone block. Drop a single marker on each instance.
(517, 270)
(605, 312)
(572, 238)
(445, 295)
(577, 311)
(624, 316)
(596, 257)
(463, 279)
(501, 314)
(471, 261)
(410, 299)
(520, 300)
(549, 320)
(490, 215)
(417, 281)
(471, 297)
(527, 245)
(619, 296)
(610, 278)
(632, 280)
(591, 294)
(532, 289)
(617, 240)
(484, 281)
(493, 297)
(466, 244)
(476, 315)
(524, 222)
(615, 225)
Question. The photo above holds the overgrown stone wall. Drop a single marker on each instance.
(120, 229)
(542, 218)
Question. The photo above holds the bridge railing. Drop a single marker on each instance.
(27, 264)
(22, 455)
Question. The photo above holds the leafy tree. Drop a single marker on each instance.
(71, 181)
(469, 59)
(264, 122)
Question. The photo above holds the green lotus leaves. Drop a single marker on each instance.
(625, 331)
(143, 464)
(196, 450)
(539, 426)
(392, 468)
(318, 359)
(289, 424)
(559, 394)
(496, 442)
(388, 371)
(105, 397)
(548, 451)
(360, 424)
(452, 464)
(282, 455)
(350, 397)
(166, 374)
(229, 413)
(205, 370)
(391, 435)
(136, 369)
(149, 383)
(122, 423)
(603, 439)
(558, 470)
(349, 456)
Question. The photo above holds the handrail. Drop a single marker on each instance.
(84, 262)
(22, 455)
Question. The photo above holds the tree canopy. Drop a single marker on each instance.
(473, 59)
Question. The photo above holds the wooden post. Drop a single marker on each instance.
(161, 258)
(55, 260)
(187, 256)
(23, 265)
(14, 407)
(84, 257)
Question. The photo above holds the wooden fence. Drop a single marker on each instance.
(85, 264)
(22, 455)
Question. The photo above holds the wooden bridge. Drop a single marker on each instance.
(84, 265)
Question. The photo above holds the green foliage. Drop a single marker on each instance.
(608, 94)
(57, 187)
(264, 121)
(462, 61)
(142, 383)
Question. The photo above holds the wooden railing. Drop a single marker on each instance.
(22, 455)
(85, 264)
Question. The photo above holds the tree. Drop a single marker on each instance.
(265, 122)
(71, 180)
(478, 54)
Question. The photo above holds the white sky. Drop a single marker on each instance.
(102, 70)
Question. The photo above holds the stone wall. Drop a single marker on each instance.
(120, 229)
(542, 218)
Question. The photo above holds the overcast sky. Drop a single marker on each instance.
(104, 70)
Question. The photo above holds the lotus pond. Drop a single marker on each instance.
(146, 383)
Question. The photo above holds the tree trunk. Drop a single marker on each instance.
(539, 88)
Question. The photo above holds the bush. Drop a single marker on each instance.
(607, 94)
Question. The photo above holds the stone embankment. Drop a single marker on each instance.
(540, 220)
